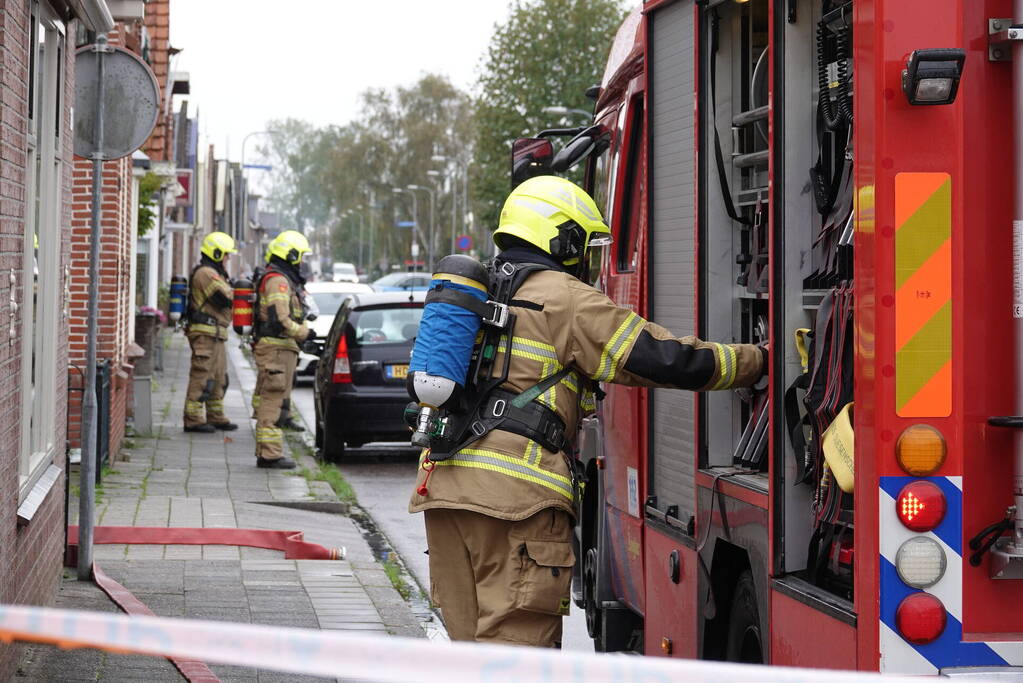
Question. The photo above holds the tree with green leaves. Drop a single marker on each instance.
(336, 174)
(546, 54)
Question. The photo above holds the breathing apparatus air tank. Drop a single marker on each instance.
(244, 298)
(443, 348)
(178, 294)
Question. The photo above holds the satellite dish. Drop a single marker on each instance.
(131, 101)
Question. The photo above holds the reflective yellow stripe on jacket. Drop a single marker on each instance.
(611, 356)
(519, 468)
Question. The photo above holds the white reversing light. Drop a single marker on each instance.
(920, 562)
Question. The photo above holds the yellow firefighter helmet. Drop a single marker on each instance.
(289, 246)
(555, 215)
(217, 245)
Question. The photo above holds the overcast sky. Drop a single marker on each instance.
(254, 60)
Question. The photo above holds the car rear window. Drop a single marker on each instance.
(385, 325)
(329, 302)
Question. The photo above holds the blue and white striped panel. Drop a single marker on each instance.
(897, 655)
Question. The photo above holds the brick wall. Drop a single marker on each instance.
(159, 145)
(115, 301)
(30, 557)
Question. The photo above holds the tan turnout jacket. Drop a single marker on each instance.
(276, 293)
(562, 322)
(211, 295)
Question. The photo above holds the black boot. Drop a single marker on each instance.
(225, 426)
(203, 428)
(276, 463)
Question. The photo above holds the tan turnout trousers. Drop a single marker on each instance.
(207, 381)
(276, 372)
(500, 581)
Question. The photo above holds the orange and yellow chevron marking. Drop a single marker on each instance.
(923, 294)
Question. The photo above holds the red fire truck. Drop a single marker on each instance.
(837, 178)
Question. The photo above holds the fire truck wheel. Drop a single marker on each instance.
(593, 616)
(744, 642)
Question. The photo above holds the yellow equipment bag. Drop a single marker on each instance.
(838, 449)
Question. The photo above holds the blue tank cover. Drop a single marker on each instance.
(178, 290)
(447, 334)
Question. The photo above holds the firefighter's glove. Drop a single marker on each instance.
(310, 335)
(761, 384)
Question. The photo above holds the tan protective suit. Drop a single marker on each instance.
(211, 297)
(276, 352)
(499, 512)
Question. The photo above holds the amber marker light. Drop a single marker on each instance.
(920, 450)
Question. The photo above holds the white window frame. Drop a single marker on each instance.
(43, 217)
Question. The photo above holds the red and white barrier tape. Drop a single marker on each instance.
(374, 658)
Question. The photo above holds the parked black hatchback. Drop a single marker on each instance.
(360, 380)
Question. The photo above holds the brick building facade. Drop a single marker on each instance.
(116, 319)
(37, 41)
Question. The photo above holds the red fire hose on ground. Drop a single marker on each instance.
(291, 543)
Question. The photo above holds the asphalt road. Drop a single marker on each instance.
(383, 476)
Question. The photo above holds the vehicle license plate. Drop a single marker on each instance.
(397, 371)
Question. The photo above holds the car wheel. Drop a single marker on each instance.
(319, 435)
(333, 448)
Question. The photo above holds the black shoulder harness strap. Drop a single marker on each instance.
(488, 406)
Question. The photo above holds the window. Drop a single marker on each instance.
(41, 281)
(634, 192)
(386, 325)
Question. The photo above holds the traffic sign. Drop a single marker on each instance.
(463, 242)
(404, 224)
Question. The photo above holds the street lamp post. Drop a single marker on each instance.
(245, 184)
(415, 223)
(452, 179)
(430, 246)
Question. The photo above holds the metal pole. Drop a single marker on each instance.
(362, 242)
(415, 229)
(432, 228)
(453, 179)
(87, 478)
(372, 232)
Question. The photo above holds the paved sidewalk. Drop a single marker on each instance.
(178, 479)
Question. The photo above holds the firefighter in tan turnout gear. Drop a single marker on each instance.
(209, 315)
(499, 511)
(280, 329)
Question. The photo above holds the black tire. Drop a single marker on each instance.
(745, 643)
(594, 619)
(319, 436)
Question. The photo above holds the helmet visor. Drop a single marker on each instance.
(595, 257)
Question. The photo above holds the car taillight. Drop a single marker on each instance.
(920, 562)
(342, 368)
(920, 618)
(920, 506)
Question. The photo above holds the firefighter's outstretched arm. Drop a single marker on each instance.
(218, 293)
(277, 298)
(613, 344)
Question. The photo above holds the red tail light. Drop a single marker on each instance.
(342, 368)
(920, 618)
(920, 506)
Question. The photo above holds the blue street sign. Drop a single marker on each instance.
(463, 242)
(405, 224)
(262, 167)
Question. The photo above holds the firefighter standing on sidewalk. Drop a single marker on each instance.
(280, 329)
(209, 315)
(499, 512)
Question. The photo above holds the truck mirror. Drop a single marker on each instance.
(577, 149)
(530, 157)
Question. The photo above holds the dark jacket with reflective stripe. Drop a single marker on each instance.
(564, 323)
